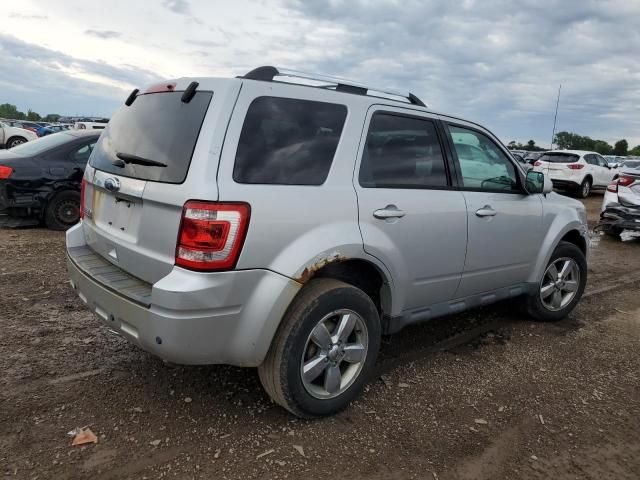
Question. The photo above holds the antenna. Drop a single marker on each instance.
(555, 118)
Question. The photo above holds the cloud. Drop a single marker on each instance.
(49, 81)
(105, 34)
(497, 62)
(492, 61)
(180, 7)
(22, 16)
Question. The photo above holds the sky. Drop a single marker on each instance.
(495, 62)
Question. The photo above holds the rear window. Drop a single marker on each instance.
(42, 144)
(559, 158)
(628, 163)
(158, 127)
(287, 141)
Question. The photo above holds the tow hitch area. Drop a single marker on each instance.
(616, 219)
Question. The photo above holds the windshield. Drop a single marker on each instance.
(559, 157)
(41, 145)
(157, 127)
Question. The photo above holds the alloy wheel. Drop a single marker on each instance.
(560, 283)
(334, 354)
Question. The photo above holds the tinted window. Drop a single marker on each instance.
(158, 127)
(482, 163)
(559, 157)
(402, 152)
(42, 144)
(591, 159)
(288, 141)
(81, 155)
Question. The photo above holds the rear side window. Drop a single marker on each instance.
(287, 141)
(559, 157)
(157, 127)
(402, 152)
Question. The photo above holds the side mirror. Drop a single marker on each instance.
(536, 182)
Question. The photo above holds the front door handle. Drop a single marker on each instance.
(390, 211)
(486, 211)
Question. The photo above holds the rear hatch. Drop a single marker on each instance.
(558, 165)
(138, 179)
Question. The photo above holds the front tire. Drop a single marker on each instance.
(324, 351)
(63, 210)
(562, 284)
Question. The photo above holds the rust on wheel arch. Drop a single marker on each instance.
(308, 272)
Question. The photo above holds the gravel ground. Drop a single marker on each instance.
(482, 395)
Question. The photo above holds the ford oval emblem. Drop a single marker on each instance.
(112, 184)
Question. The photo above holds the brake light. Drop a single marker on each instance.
(575, 166)
(82, 188)
(211, 235)
(537, 163)
(625, 181)
(613, 187)
(5, 172)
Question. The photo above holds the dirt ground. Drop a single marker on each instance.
(483, 395)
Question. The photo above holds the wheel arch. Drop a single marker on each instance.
(563, 229)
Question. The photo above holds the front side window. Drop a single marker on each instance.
(402, 152)
(483, 165)
(286, 141)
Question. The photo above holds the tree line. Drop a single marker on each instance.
(11, 111)
(573, 141)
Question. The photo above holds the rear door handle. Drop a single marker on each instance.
(486, 211)
(390, 211)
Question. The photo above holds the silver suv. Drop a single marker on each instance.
(285, 221)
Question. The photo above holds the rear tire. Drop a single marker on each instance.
(585, 188)
(332, 329)
(565, 289)
(63, 210)
(15, 141)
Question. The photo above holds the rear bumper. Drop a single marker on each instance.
(17, 200)
(192, 318)
(616, 218)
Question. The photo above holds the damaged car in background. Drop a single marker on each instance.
(621, 204)
(40, 180)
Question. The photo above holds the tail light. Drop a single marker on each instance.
(211, 235)
(575, 166)
(537, 164)
(83, 185)
(625, 180)
(5, 172)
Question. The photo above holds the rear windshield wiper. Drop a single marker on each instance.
(128, 158)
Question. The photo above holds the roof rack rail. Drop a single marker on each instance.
(268, 74)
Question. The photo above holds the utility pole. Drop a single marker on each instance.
(555, 118)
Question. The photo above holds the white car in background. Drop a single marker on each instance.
(576, 170)
(13, 136)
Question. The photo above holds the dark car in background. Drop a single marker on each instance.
(531, 157)
(40, 180)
